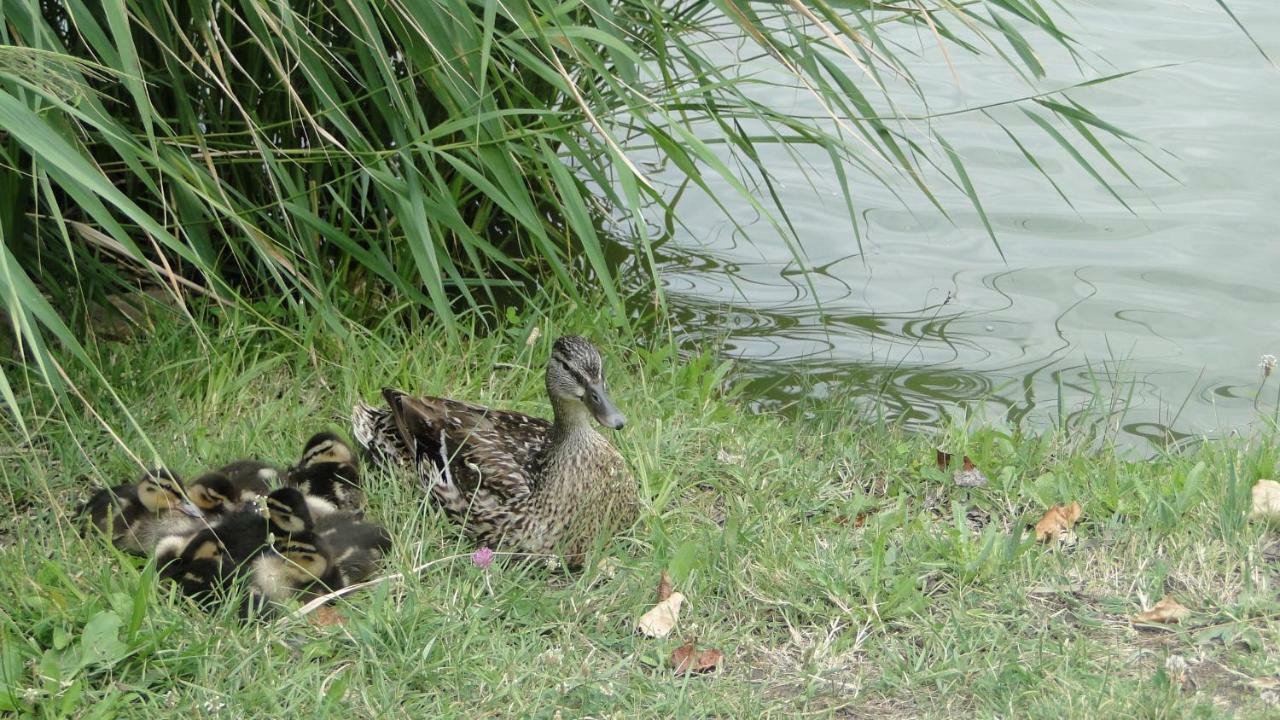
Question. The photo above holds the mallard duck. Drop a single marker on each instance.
(513, 481)
(135, 516)
(328, 471)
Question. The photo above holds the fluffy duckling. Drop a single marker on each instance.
(328, 471)
(136, 516)
(301, 565)
(251, 475)
(355, 546)
(205, 564)
(214, 494)
(197, 563)
(289, 512)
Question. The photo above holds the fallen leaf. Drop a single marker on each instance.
(687, 659)
(1057, 522)
(1266, 499)
(858, 520)
(661, 618)
(534, 334)
(944, 460)
(664, 586)
(969, 475)
(326, 616)
(1167, 610)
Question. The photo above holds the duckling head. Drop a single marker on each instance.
(575, 383)
(326, 447)
(195, 562)
(160, 490)
(305, 555)
(288, 511)
(214, 493)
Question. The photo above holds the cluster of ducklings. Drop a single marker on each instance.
(230, 527)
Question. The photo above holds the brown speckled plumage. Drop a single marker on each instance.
(516, 482)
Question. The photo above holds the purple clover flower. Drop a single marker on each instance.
(482, 558)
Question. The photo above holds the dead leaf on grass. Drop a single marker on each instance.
(1057, 522)
(1167, 610)
(688, 659)
(664, 586)
(661, 618)
(1266, 500)
(326, 616)
(858, 520)
(967, 476)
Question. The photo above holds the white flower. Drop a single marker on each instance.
(1268, 363)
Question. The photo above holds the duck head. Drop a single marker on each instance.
(575, 382)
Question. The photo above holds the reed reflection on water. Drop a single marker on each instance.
(1142, 307)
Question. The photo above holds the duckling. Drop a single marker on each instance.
(214, 494)
(251, 475)
(289, 512)
(243, 534)
(355, 546)
(136, 516)
(328, 470)
(197, 563)
(301, 565)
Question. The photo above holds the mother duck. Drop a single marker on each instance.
(515, 482)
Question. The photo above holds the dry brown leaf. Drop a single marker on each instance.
(1057, 522)
(858, 520)
(944, 460)
(1167, 610)
(1266, 499)
(664, 586)
(661, 618)
(687, 659)
(969, 475)
(326, 616)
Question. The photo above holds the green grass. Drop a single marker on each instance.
(911, 614)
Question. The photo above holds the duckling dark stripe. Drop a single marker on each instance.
(320, 449)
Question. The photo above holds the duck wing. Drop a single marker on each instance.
(478, 447)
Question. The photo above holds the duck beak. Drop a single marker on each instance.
(189, 508)
(602, 408)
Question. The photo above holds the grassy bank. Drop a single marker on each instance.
(837, 569)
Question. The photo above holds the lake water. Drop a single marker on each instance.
(1153, 320)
